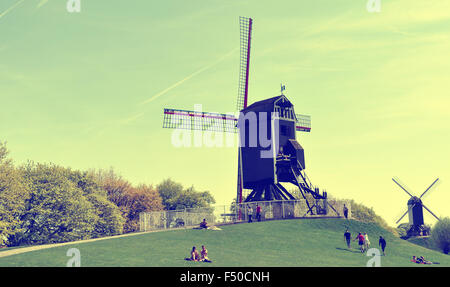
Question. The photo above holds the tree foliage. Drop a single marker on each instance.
(440, 234)
(56, 210)
(14, 191)
(110, 220)
(175, 197)
(46, 203)
(130, 200)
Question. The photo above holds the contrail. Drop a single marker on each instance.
(188, 77)
(42, 3)
(11, 8)
(131, 119)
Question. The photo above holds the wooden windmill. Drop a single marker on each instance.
(276, 119)
(415, 210)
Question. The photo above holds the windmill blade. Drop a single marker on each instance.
(194, 120)
(402, 216)
(429, 187)
(430, 211)
(303, 123)
(245, 44)
(402, 187)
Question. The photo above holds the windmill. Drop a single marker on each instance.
(415, 210)
(263, 176)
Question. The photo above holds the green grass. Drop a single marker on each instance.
(425, 242)
(307, 242)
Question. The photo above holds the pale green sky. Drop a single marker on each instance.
(87, 89)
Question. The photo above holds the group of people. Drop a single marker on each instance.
(363, 241)
(250, 213)
(203, 257)
(421, 260)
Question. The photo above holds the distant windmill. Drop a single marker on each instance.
(415, 210)
(261, 175)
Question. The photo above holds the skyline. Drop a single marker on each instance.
(87, 90)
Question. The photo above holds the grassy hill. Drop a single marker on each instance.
(304, 242)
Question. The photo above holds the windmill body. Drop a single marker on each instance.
(265, 166)
(415, 211)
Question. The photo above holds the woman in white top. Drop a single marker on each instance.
(366, 241)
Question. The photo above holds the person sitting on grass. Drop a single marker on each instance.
(421, 260)
(204, 255)
(425, 261)
(194, 255)
(204, 224)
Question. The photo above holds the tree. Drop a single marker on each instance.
(110, 220)
(175, 197)
(115, 186)
(130, 200)
(169, 191)
(13, 193)
(144, 198)
(56, 210)
(440, 234)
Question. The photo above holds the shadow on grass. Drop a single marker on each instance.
(349, 250)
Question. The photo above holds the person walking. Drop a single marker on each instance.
(348, 236)
(345, 212)
(382, 244)
(258, 212)
(360, 239)
(366, 241)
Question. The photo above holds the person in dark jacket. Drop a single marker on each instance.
(382, 244)
(347, 236)
(345, 212)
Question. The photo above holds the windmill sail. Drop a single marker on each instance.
(303, 123)
(195, 120)
(245, 41)
(245, 44)
(429, 188)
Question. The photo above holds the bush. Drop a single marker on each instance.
(402, 229)
(440, 234)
